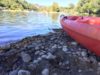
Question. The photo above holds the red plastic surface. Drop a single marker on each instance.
(84, 30)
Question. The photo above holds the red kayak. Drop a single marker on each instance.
(85, 30)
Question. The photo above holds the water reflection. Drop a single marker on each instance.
(54, 16)
(17, 25)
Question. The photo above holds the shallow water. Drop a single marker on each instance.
(18, 25)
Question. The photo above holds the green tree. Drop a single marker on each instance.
(89, 7)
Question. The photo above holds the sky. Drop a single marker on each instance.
(49, 2)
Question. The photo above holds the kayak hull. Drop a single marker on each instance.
(82, 34)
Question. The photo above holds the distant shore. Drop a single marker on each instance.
(31, 11)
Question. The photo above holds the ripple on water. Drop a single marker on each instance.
(16, 26)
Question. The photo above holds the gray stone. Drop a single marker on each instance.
(39, 58)
(36, 48)
(41, 53)
(50, 56)
(67, 62)
(43, 56)
(54, 74)
(93, 60)
(32, 66)
(65, 48)
(45, 71)
(35, 61)
(14, 72)
(74, 43)
(23, 72)
(99, 64)
(83, 53)
(25, 57)
(79, 70)
(54, 46)
(98, 70)
(37, 52)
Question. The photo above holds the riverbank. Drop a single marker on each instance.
(52, 54)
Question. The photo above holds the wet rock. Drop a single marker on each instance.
(25, 57)
(45, 71)
(23, 72)
(14, 72)
(35, 61)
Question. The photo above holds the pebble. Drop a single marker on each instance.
(99, 64)
(39, 59)
(14, 72)
(36, 48)
(93, 60)
(54, 46)
(37, 52)
(55, 74)
(50, 56)
(43, 56)
(65, 49)
(41, 53)
(25, 57)
(79, 70)
(74, 43)
(98, 70)
(67, 62)
(45, 71)
(32, 66)
(23, 72)
(83, 53)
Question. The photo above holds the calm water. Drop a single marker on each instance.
(16, 26)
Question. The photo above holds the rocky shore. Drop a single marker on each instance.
(52, 54)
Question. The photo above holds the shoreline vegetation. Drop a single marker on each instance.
(83, 7)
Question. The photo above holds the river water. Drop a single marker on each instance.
(18, 25)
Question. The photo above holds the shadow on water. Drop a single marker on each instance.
(18, 25)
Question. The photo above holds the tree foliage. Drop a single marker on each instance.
(89, 6)
(17, 5)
